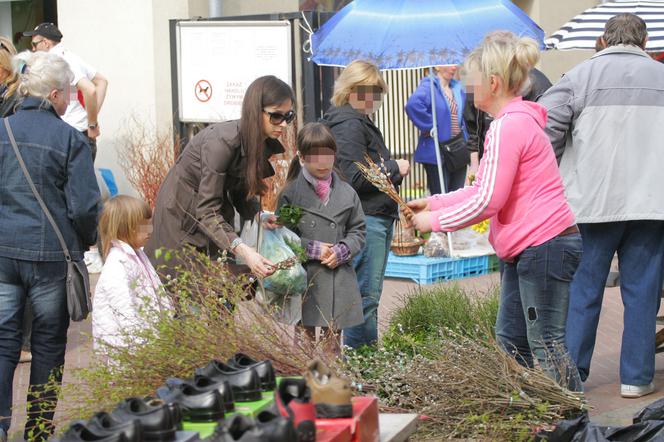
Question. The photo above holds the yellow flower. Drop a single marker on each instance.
(481, 227)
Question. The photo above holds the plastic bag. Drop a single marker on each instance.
(654, 411)
(465, 242)
(274, 247)
(436, 246)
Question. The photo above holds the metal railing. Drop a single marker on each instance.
(399, 132)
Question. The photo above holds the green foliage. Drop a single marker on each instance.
(297, 248)
(289, 215)
(415, 326)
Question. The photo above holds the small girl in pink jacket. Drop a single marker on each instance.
(127, 279)
(519, 188)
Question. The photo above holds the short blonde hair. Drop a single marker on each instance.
(507, 56)
(357, 73)
(42, 73)
(7, 52)
(120, 219)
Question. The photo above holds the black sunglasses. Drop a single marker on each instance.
(277, 118)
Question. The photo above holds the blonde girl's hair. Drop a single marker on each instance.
(357, 73)
(7, 52)
(507, 56)
(120, 219)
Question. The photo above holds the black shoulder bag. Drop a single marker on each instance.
(79, 302)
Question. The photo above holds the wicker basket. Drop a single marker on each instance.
(406, 248)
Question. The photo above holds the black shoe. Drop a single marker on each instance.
(275, 427)
(245, 382)
(263, 368)
(156, 418)
(196, 405)
(238, 428)
(204, 383)
(175, 410)
(103, 423)
(78, 432)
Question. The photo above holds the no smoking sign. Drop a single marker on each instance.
(203, 91)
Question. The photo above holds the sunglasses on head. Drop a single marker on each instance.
(277, 118)
(2, 46)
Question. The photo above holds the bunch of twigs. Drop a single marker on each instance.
(467, 388)
(287, 263)
(380, 177)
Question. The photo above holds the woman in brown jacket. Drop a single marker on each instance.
(220, 172)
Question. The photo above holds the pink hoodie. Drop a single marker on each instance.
(518, 185)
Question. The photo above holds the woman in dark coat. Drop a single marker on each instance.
(357, 94)
(220, 172)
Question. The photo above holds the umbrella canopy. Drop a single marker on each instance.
(582, 31)
(397, 34)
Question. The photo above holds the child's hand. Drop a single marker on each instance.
(326, 250)
(331, 260)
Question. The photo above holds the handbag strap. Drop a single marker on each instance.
(35, 192)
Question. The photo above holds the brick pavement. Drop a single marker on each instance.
(602, 387)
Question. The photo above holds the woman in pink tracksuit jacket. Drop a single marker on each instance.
(518, 187)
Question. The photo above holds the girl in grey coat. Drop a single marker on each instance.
(332, 231)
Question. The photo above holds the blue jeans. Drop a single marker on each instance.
(532, 314)
(370, 268)
(640, 247)
(42, 285)
(453, 180)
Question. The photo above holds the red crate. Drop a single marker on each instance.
(340, 433)
(364, 423)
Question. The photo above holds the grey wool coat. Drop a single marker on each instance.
(333, 296)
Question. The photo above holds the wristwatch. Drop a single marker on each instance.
(236, 242)
(93, 126)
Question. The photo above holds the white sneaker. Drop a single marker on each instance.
(635, 391)
(93, 261)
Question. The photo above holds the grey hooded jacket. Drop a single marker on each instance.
(606, 118)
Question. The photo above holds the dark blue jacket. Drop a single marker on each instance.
(418, 109)
(60, 163)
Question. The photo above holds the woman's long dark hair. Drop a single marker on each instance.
(311, 136)
(263, 92)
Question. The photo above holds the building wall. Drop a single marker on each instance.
(128, 42)
(551, 16)
(6, 19)
(231, 8)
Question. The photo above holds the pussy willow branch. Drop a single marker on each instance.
(379, 177)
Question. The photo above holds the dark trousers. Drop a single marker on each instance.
(640, 247)
(532, 314)
(453, 180)
(42, 285)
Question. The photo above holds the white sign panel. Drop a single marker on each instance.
(218, 60)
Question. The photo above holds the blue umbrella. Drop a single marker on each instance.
(397, 34)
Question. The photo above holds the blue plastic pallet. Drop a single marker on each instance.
(424, 270)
